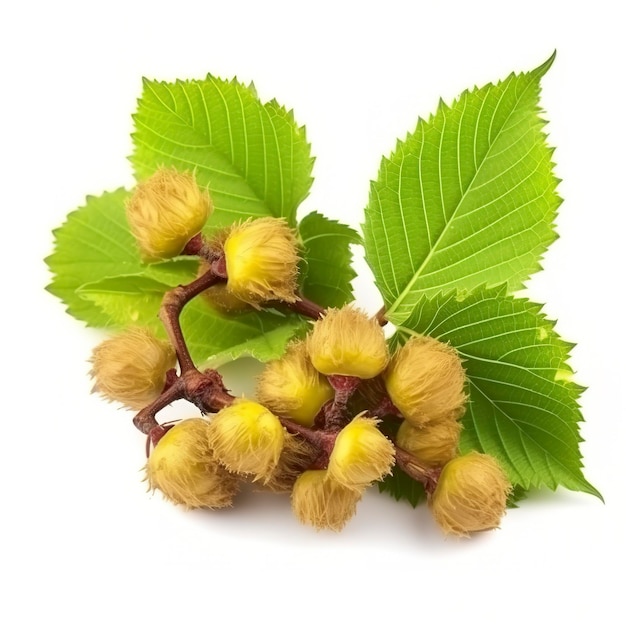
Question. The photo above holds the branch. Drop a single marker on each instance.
(428, 476)
(307, 308)
(171, 307)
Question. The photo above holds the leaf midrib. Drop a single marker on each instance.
(399, 300)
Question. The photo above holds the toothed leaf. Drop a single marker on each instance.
(401, 487)
(253, 157)
(468, 198)
(93, 243)
(523, 406)
(327, 269)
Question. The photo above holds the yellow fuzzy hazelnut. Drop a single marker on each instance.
(471, 494)
(183, 468)
(425, 380)
(222, 300)
(262, 261)
(321, 502)
(247, 439)
(295, 457)
(130, 367)
(435, 444)
(349, 343)
(165, 212)
(292, 387)
(361, 455)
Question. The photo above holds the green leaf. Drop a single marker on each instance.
(253, 157)
(92, 244)
(210, 336)
(174, 272)
(517, 494)
(99, 276)
(327, 270)
(523, 406)
(402, 487)
(468, 199)
(132, 299)
(213, 338)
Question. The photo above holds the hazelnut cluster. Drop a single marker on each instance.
(331, 417)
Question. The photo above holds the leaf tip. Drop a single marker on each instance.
(540, 71)
(592, 491)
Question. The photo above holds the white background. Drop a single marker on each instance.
(82, 541)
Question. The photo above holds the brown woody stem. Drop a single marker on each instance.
(428, 476)
(322, 440)
(386, 408)
(145, 420)
(335, 412)
(171, 307)
(314, 437)
(199, 246)
(380, 317)
(204, 389)
(307, 308)
(194, 246)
